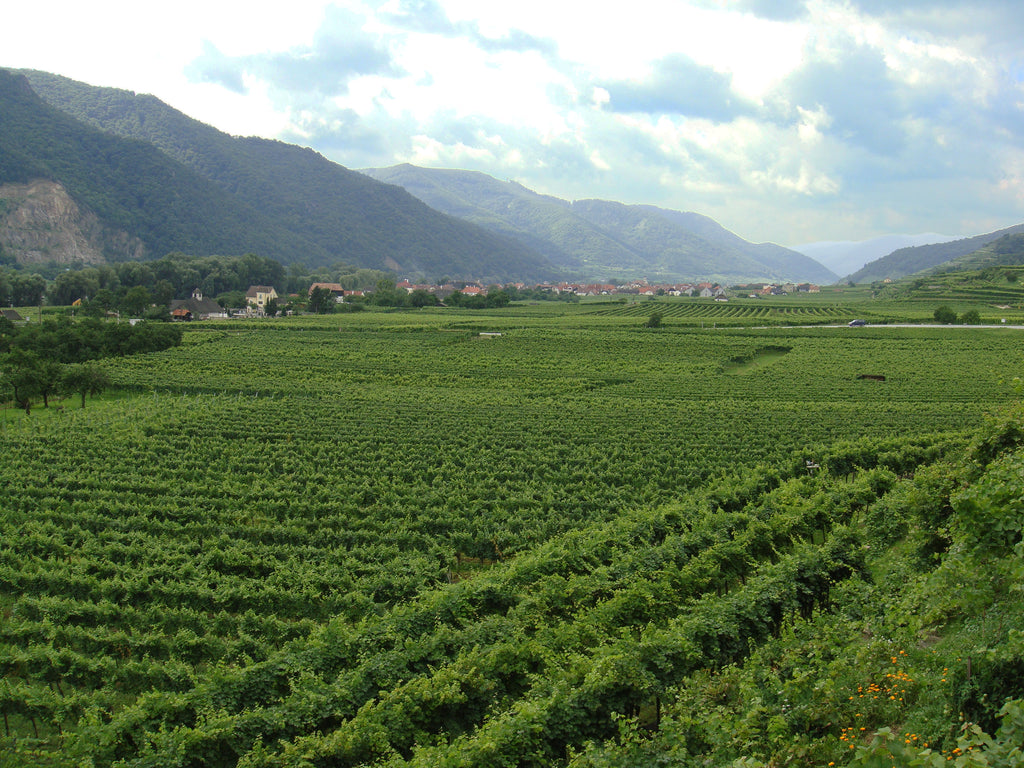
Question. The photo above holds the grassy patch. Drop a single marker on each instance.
(762, 358)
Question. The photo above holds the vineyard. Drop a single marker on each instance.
(739, 312)
(405, 538)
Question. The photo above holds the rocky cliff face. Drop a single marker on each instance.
(41, 223)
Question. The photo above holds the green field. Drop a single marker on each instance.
(392, 537)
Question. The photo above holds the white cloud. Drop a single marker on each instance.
(791, 121)
(812, 121)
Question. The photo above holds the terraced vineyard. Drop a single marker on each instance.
(736, 312)
(353, 503)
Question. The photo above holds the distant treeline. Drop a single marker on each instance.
(132, 286)
(65, 341)
(145, 288)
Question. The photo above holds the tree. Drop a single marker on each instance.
(945, 315)
(105, 299)
(27, 290)
(85, 379)
(654, 321)
(230, 299)
(49, 374)
(69, 287)
(497, 298)
(21, 370)
(136, 300)
(163, 292)
(271, 308)
(387, 295)
(971, 317)
(422, 298)
(321, 301)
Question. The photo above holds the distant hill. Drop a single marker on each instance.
(602, 239)
(178, 184)
(993, 275)
(845, 257)
(909, 261)
(1005, 251)
(125, 198)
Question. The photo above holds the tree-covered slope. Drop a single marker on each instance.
(690, 244)
(908, 261)
(547, 223)
(322, 211)
(129, 185)
(600, 239)
(786, 264)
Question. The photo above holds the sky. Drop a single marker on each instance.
(790, 121)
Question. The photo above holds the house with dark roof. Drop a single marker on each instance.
(196, 308)
(13, 316)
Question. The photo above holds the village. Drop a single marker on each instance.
(262, 300)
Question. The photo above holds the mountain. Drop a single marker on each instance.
(602, 239)
(118, 198)
(993, 276)
(152, 173)
(1005, 251)
(909, 261)
(692, 244)
(847, 256)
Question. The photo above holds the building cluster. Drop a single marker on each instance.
(635, 288)
(776, 289)
(259, 297)
(199, 307)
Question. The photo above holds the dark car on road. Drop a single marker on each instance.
(857, 323)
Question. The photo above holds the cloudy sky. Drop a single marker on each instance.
(785, 120)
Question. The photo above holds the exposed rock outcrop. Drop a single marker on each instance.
(41, 223)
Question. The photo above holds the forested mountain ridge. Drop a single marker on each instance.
(904, 262)
(601, 238)
(135, 192)
(243, 194)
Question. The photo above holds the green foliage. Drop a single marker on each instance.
(601, 237)
(34, 359)
(232, 299)
(974, 748)
(422, 298)
(181, 185)
(379, 539)
(945, 315)
(971, 317)
(85, 379)
(321, 301)
(966, 254)
(654, 321)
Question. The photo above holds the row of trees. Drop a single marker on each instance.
(56, 357)
(386, 294)
(28, 376)
(132, 287)
(948, 316)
